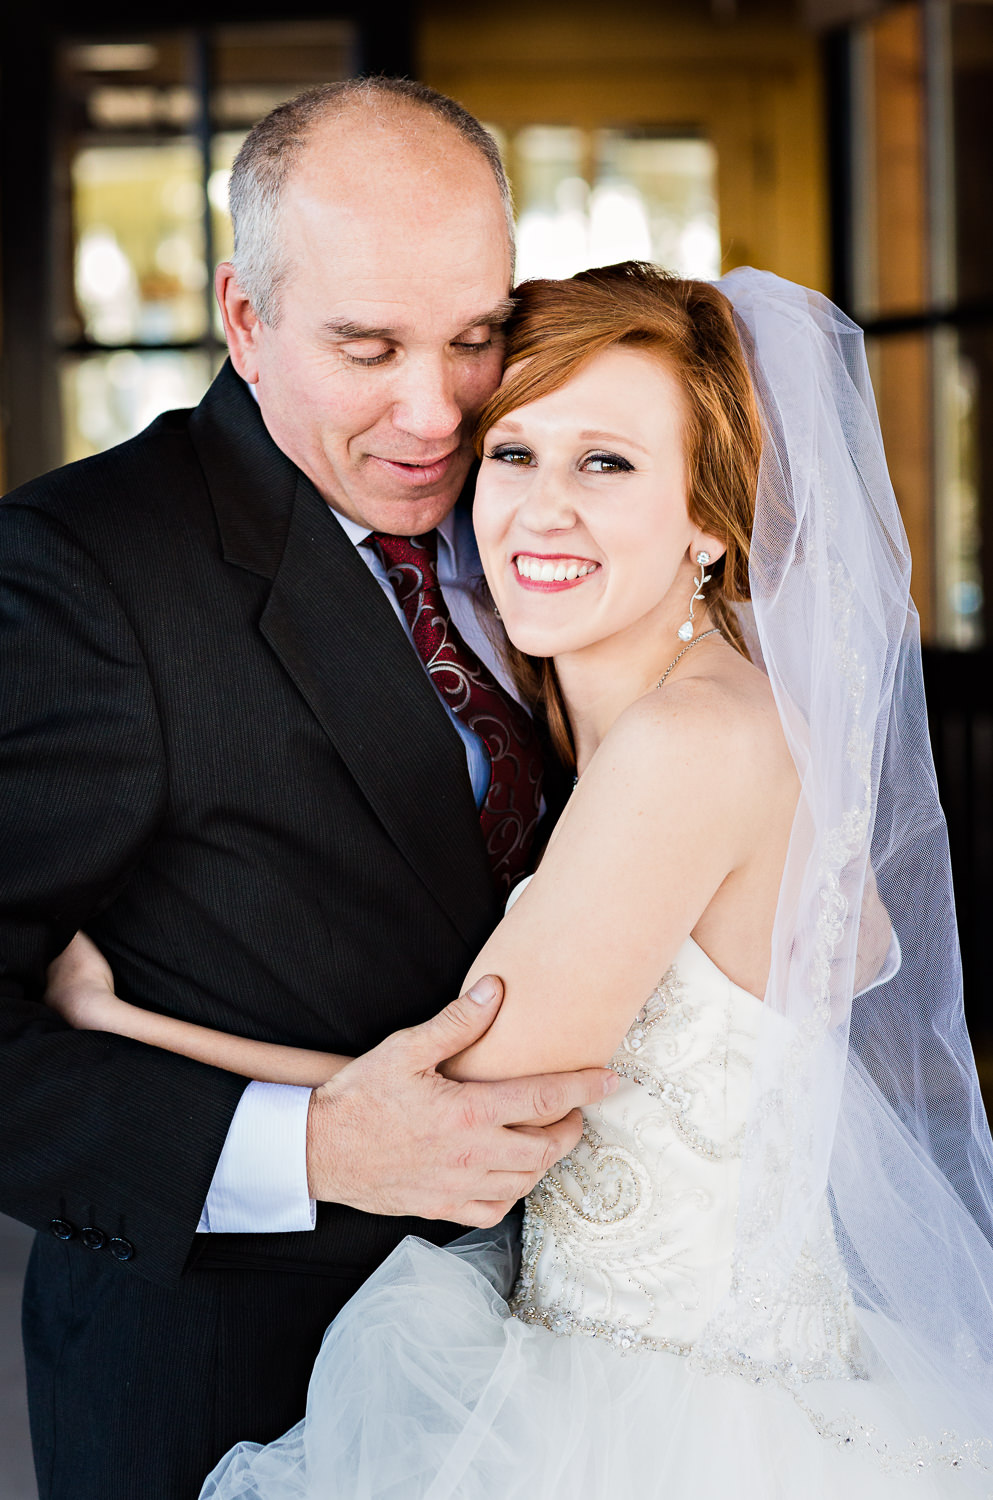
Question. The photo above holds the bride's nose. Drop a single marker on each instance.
(547, 505)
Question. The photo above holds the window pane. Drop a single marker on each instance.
(140, 271)
(658, 193)
(588, 198)
(107, 398)
(135, 83)
(136, 227)
(552, 195)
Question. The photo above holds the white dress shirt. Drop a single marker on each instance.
(260, 1182)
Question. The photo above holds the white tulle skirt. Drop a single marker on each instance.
(427, 1389)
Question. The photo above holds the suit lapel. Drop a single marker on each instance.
(333, 630)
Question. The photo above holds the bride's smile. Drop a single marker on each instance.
(551, 572)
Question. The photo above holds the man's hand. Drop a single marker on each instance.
(391, 1135)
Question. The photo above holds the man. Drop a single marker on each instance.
(222, 757)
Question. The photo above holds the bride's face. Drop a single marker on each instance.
(580, 509)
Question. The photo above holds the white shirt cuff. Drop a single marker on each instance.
(260, 1182)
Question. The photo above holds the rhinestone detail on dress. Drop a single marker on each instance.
(629, 1239)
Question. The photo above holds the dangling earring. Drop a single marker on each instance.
(685, 631)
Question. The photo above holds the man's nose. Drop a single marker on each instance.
(426, 406)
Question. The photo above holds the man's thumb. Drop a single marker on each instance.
(463, 1021)
(486, 991)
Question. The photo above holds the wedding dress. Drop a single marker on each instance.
(767, 1269)
(429, 1386)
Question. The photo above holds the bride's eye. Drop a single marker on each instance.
(606, 463)
(512, 453)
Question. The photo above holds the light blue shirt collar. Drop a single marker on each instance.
(357, 533)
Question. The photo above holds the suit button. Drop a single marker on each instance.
(62, 1229)
(121, 1249)
(93, 1239)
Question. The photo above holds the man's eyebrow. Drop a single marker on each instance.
(341, 328)
(496, 317)
(346, 330)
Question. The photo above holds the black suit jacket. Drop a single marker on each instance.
(220, 756)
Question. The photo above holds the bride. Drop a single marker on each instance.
(767, 1265)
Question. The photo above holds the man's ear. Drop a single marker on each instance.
(242, 325)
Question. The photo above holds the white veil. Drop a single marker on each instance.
(863, 1097)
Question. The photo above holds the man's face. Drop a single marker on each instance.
(388, 337)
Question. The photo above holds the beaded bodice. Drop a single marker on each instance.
(630, 1237)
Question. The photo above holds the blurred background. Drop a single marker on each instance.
(846, 144)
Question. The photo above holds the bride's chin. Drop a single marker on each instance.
(539, 638)
(532, 642)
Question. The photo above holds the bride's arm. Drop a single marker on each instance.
(679, 797)
(81, 988)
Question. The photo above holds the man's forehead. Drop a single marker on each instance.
(433, 260)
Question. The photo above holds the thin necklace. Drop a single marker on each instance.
(696, 642)
(714, 631)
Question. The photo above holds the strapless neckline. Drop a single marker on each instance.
(692, 944)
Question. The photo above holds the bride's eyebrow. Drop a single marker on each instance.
(590, 436)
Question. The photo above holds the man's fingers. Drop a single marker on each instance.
(515, 1159)
(484, 1214)
(529, 1150)
(548, 1096)
(457, 1026)
(513, 1185)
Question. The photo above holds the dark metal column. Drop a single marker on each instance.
(29, 407)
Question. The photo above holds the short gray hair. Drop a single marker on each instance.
(272, 148)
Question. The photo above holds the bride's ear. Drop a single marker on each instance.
(712, 545)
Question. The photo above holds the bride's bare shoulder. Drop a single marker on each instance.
(717, 726)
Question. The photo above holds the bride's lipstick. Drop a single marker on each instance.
(552, 572)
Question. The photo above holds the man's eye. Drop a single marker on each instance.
(512, 453)
(473, 346)
(370, 353)
(606, 463)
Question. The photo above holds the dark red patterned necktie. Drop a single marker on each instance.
(509, 813)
